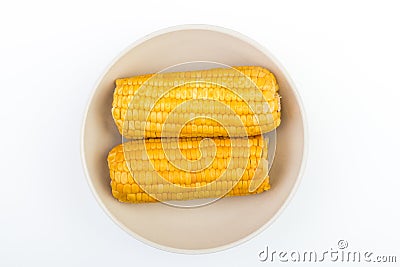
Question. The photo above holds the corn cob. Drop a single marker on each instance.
(142, 104)
(204, 169)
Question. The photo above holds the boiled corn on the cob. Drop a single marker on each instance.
(145, 106)
(190, 168)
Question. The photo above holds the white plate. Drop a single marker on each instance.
(226, 222)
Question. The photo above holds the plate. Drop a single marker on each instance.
(228, 221)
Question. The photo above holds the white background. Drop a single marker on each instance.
(343, 56)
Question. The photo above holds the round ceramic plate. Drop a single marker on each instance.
(223, 223)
